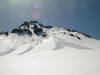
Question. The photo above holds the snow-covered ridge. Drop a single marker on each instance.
(34, 27)
(36, 49)
(34, 36)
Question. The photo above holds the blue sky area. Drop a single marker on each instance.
(81, 15)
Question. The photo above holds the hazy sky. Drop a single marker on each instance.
(81, 15)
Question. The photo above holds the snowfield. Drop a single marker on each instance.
(57, 53)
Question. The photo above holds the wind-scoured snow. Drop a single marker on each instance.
(35, 49)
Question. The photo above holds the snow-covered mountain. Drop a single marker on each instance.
(36, 49)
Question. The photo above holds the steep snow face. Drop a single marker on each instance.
(32, 35)
(35, 49)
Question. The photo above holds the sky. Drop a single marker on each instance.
(81, 15)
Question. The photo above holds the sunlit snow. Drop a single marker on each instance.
(56, 54)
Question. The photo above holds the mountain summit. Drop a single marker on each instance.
(34, 33)
(36, 49)
(34, 27)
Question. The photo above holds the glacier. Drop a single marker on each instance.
(36, 49)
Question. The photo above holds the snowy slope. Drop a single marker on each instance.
(35, 49)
